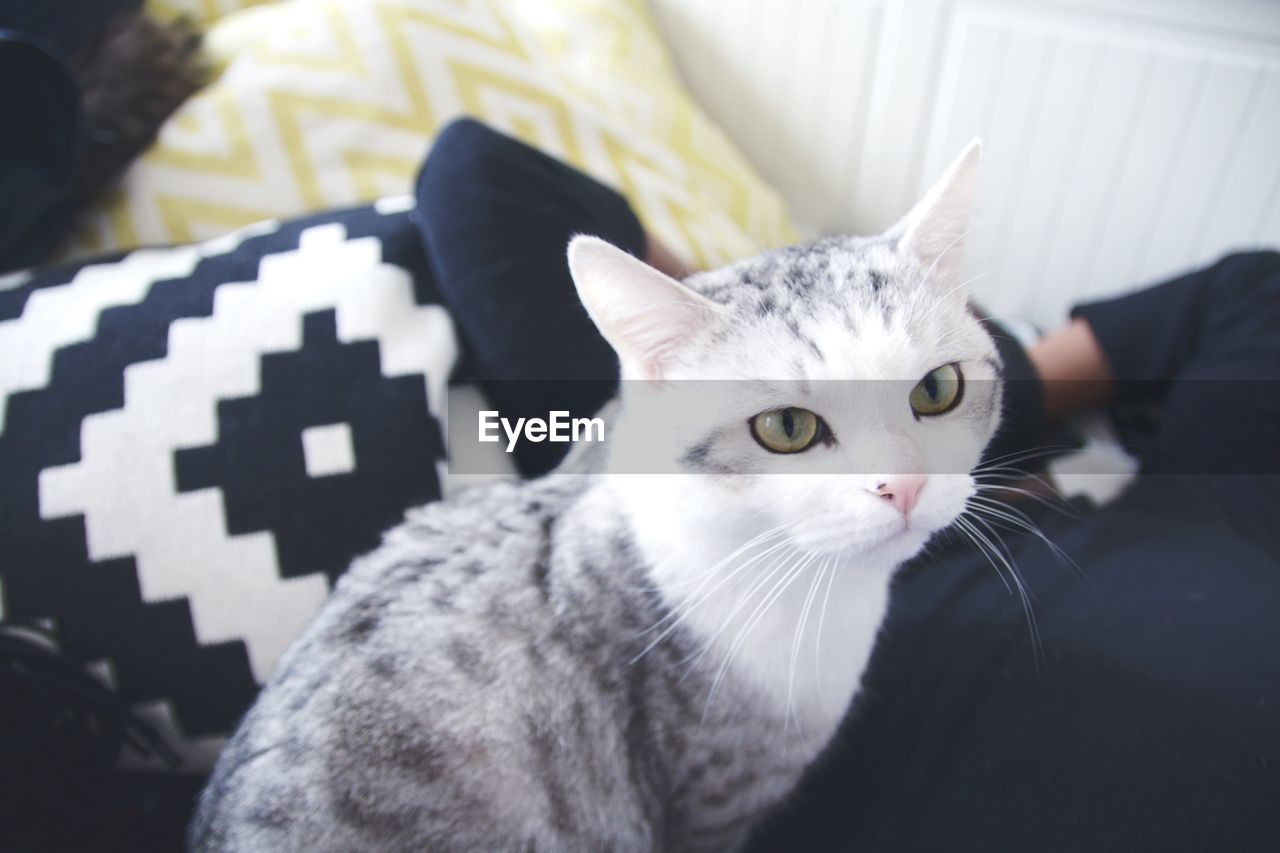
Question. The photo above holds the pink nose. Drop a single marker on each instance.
(901, 491)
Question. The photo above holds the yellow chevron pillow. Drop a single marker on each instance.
(325, 103)
(202, 13)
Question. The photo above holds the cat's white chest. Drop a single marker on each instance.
(808, 647)
(795, 628)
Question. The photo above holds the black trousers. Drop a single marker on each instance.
(1145, 715)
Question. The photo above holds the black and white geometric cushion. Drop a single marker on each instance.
(196, 441)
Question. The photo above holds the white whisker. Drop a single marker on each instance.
(1037, 645)
(678, 614)
(822, 614)
(1022, 456)
(779, 566)
(1019, 521)
(799, 638)
(754, 619)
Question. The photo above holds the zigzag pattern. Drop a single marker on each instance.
(333, 102)
(201, 12)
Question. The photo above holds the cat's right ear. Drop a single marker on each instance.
(934, 231)
(645, 315)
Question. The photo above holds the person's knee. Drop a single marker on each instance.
(1249, 275)
(463, 150)
(1240, 303)
(469, 165)
(463, 138)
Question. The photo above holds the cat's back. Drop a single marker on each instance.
(426, 705)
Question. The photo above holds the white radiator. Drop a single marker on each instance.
(1125, 139)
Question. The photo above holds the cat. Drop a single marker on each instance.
(641, 661)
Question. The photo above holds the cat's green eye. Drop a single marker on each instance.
(939, 392)
(788, 430)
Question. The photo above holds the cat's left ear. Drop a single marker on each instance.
(934, 231)
(646, 316)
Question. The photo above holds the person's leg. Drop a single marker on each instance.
(1197, 367)
(1151, 721)
(1024, 431)
(497, 216)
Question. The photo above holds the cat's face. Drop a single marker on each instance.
(839, 392)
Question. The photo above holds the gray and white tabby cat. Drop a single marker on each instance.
(642, 661)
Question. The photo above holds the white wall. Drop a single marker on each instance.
(1125, 139)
